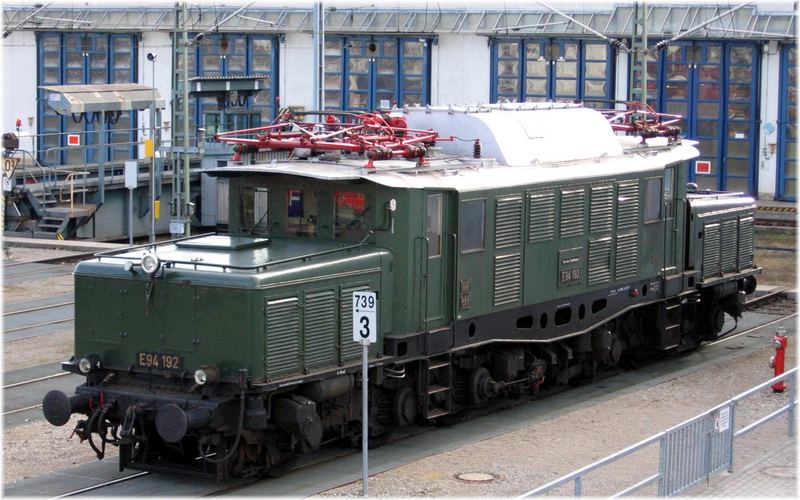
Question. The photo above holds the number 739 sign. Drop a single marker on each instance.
(365, 314)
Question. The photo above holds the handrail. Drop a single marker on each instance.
(578, 475)
(108, 254)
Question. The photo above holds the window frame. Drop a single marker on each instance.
(647, 216)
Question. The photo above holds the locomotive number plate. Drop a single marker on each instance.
(159, 361)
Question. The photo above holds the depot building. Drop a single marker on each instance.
(730, 70)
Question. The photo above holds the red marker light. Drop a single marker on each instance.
(19, 122)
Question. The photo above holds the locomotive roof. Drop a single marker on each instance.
(531, 144)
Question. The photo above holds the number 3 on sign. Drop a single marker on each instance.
(365, 311)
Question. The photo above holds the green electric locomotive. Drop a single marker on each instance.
(544, 251)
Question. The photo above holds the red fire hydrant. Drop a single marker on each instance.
(776, 362)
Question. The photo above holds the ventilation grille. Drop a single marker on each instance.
(602, 207)
(600, 261)
(320, 330)
(283, 336)
(627, 204)
(745, 242)
(729, 247)
(572, 212)
(710, 250)
(541, 216)
(508, 221)
(507, 279)
(627, 256)
(349, 349)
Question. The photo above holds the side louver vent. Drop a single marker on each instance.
(602, 207)
(572, 221)
(745, 242)
(711, 250)
(508, 221)
(729, 246)
(600, 261)
(507, 279)
(541, 216)
(627, 256)
(627, 204)
(349, 350)
(283, 336)
(320, 330)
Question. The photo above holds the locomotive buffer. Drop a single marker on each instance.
(365, 321)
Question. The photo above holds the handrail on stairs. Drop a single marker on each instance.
(71, 179)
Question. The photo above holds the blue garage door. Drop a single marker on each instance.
(531, 70)
(236, 55)
(84, 58)
(787, 126)
(361, 72)
(714, 85)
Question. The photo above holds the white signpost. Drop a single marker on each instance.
(365, 326)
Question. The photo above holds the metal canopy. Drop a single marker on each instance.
(220, 85)
(68, 99)
(667, 18)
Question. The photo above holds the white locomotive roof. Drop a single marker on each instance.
(533, 145)
(520, 134)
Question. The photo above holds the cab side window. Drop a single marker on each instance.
(472, 219)
(350, 210)
(301, 209)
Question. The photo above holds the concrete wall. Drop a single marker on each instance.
(295, 75)
(19, 63)
(160, 44)
(460, 70)
(767, 141)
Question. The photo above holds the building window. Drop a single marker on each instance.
(366, 73)
(80, 59)
(230, 55)
(471, 225)
(549, 69)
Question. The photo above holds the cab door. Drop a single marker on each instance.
(670, 222)
(434, 251)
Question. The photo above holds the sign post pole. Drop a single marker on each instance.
(364, 417)
(365, 327)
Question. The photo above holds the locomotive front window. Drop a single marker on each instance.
(301, 210)
(350, 209)
(471, 225)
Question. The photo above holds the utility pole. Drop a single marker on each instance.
(638, 86)
(183, 205)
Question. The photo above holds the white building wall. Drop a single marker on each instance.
(19, 63)
(460, 70)
(295, 74)
(768, 132)
(160, 44)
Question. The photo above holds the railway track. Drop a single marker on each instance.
(307, 476)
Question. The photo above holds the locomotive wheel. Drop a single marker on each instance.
(480, 386)
(714, 321)
(404, 407)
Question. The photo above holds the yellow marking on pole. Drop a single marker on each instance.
(59, 236)
(157, 209)
(148, 147)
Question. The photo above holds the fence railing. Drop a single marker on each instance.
(690, 451)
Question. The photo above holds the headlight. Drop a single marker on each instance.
(150, 263)
(206, 375)
(89, 363)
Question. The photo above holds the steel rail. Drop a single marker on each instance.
(39, 379)
(35, 325)
(11, 412)
(750, 330)
(33, 309)
(102, 485)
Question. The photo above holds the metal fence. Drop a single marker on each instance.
(690, 451)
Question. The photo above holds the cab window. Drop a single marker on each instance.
(350, 209)
(301, 210)
(471, 225)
